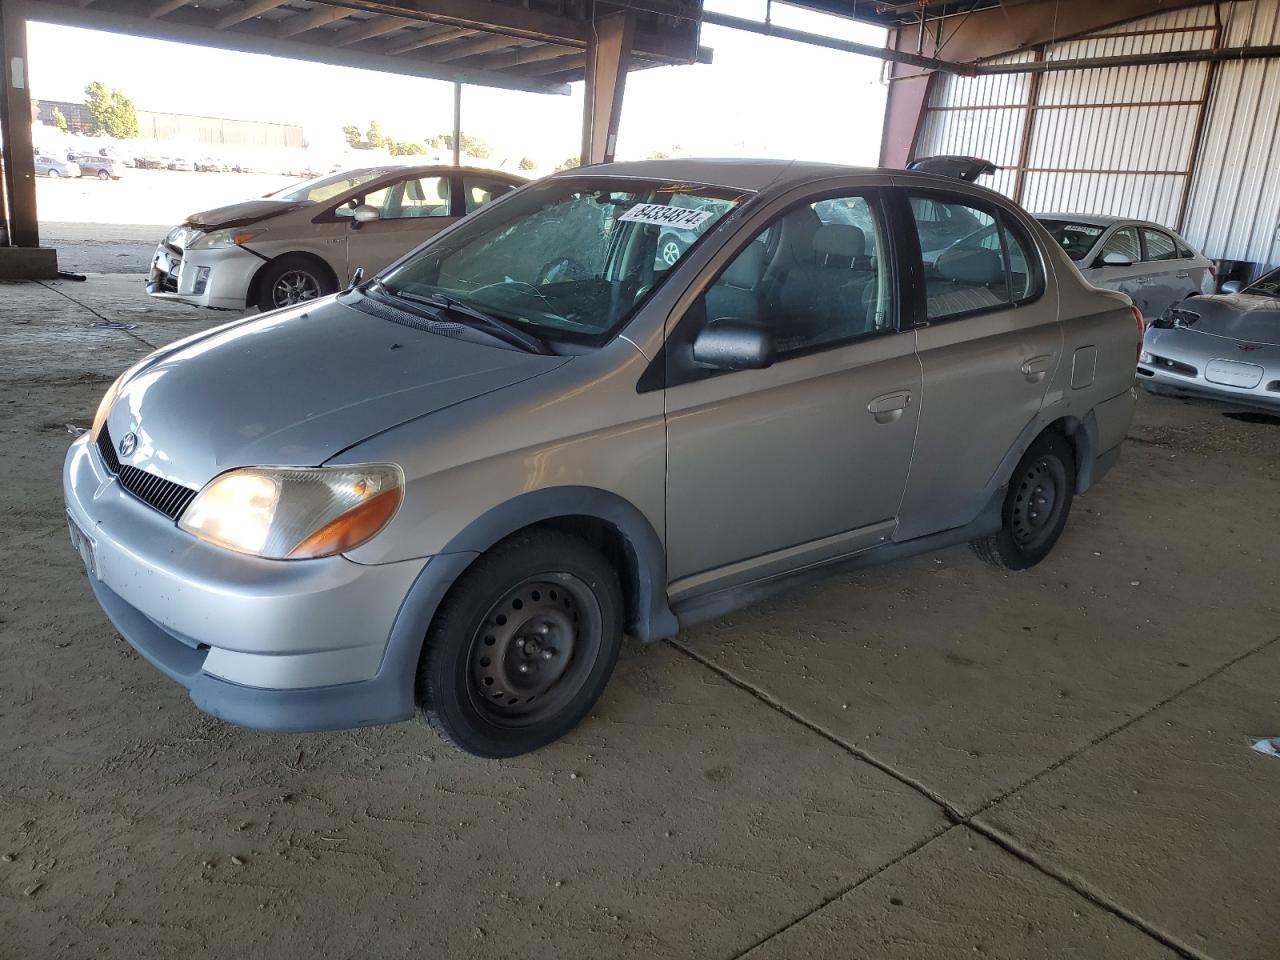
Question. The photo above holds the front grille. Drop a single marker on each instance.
(156, 492)
(1174, 366)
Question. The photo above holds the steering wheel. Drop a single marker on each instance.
(562, 268)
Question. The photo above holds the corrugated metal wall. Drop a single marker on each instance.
(1121, 140)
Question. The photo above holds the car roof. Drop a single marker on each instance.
(745, 174)
(386, 169)
(1099, 220)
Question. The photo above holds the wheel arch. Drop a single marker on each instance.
(255, 285)
(605, 520)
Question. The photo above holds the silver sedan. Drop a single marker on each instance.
(1225, 347)
(1152, 264)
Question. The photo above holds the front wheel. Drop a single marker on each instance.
(1035, 508)
(53, 174)
(103, 175)
(292, 280)
(522, 646)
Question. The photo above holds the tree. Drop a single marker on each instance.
(527, 164)
(471, 145)
(375, 135)
(113, 113)
(59, 120)
(570, 163)
(353, 137)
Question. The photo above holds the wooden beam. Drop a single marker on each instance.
(527, 55)
(472, 48)
(166, 7)
(483, 15)
(317, 17)
(367, 29)
(260, 37)
(247, 11)
(571, 61)
(427, 38)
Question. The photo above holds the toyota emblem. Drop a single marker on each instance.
(128, 443)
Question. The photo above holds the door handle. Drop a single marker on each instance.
(1035, 368)
(889, 407)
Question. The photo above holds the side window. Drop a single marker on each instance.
(1160, 246)
(969, 273)
(1124, 242)
(813, 282)
(1022, 278)
(413, 198)
(478, 191)
(1184, 251)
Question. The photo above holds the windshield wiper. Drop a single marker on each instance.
(502, 329)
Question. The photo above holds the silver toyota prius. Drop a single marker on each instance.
(453, 488)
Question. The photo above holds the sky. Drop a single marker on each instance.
(760, 97)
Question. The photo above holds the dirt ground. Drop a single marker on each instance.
(927, 760)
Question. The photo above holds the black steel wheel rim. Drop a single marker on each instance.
(294, 286)
(533, 650)
(1037, 502)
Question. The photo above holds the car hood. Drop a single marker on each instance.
(296, 387)
(241, 214)
(1240, 316)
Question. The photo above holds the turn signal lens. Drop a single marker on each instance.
(295, 512)
(104, 408)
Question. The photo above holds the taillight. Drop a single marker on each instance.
(1142, 331)
(1213, 272)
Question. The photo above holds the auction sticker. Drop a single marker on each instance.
(682, 218)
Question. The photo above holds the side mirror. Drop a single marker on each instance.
(729, 344)
(1113, 258)
(365, 213)
(1232, 286)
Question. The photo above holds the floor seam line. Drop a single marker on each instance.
(951, 811)
(1121, 727)
(908, 852)
(1083, 889)
(104, 319)
(1006, 843)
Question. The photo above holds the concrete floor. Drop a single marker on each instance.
(927, 760)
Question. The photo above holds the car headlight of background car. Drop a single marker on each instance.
(295, 512)
(221, 239)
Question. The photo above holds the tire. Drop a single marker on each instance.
(292, 280)
(1036, 507)
(103, 175)
(522, 646)
(53, 174)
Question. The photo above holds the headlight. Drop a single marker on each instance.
(104, 407)
(295, 513)
(222, 239)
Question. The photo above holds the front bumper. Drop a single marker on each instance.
(295, 645)
(1171, 384)
(205, 278)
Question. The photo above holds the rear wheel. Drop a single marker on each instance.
(1035, 508)
(522, 646)
(103, 175)
(53, 174)
(292, 280)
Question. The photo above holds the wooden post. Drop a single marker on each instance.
(15, 128)
(457, 123)
(608, 57)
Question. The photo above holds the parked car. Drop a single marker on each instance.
(307, 240)
(453, 487)
(180, 163)
(96, 165)
(150, 162)
(53, 168)
(209, 165)
(1152, 264)
(1222, 347)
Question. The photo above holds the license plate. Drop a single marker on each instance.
(1229, 373)
(84, 546)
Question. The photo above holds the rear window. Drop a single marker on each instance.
(1075, 238)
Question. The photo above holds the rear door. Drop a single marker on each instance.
(1168, 275)
(1130, 277)
(411, 210)
(989, 343)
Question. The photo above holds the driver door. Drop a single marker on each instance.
(807, 458)
(411, 210)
